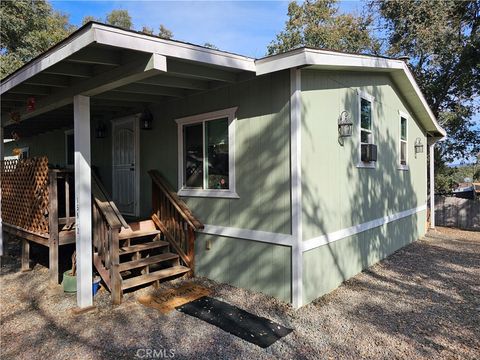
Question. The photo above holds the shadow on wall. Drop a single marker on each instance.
(349, 195)
(262, 155)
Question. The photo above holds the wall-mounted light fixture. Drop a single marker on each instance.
(100, 131)
(345, 125)
(146, 120)
(418, 146)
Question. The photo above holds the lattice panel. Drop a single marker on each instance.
(25, 193)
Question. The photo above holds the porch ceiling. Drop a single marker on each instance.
(120, 70)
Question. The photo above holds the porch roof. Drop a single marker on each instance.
(123, 71)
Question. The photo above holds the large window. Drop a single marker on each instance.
(365, 121)
(403, 141)
(206, 158)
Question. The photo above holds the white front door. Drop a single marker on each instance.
(125, 165)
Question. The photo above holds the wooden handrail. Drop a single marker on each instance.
(175, 200)
(106, 206)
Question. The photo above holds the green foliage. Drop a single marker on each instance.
(28, 29)
(210, 46)
(120, 18)
(442, 39)
(164, 32)
(89, 18)
(147, 30)
(318, 23)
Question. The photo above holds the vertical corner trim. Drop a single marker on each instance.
(432, 186)
(296, 185)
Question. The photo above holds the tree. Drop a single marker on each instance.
(442, 38)
(120, 18)
(210, 46)
(147, 30)
(89, 18)
(28, 29)
(318, 23)
(165, 32)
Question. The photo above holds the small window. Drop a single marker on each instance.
(403, 142)
(365, 122)
(206, 158)
(69, 148)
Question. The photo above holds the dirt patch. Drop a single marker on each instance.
(422, 302)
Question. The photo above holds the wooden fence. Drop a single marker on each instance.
(458, 213)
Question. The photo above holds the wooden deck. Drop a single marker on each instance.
(37, 205)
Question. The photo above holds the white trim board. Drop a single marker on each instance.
(229, 193)
(343, 233)
(296, 185)
(332, 60)
(245, 234)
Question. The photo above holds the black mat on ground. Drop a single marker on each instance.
(257, 330)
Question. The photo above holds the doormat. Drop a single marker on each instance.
(254, 329)
(168, 300)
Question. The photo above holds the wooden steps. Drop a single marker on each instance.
(139, 229)
(154, 276)
(156, 259)
(137, 234)
(142, 247)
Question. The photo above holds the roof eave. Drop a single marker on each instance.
(335, 60)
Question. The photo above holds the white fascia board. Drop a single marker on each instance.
(335, 60)
(145, 43)
(49, 58)
(422, 99)
(314, 57)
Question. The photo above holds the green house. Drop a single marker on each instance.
(303, 168)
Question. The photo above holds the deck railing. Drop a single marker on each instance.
(172, 216)
(37, 206)
(107, 223)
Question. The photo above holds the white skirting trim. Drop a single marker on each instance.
(343, 233)
(263, 236)
(288, 240)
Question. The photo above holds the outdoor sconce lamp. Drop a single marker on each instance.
(146, 119)
(100, 131)
(345, 125)
(418, 146)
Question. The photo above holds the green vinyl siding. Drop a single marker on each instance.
(336, 194)
(326, 267)
(247, 264)
(50, 144)
(262, 153)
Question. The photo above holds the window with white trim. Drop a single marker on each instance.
(206, 154)
(403, 142)
(365, 123)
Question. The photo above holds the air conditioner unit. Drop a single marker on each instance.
(368, 152)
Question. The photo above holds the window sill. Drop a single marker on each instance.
(225, 194)
(403, 167)
(367, 165)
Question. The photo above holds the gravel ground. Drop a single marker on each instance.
(421, 302)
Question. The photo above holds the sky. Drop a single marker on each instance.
(243, 27)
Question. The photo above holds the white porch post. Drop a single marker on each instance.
(83, 200)
(1, 159)
(432, 186)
